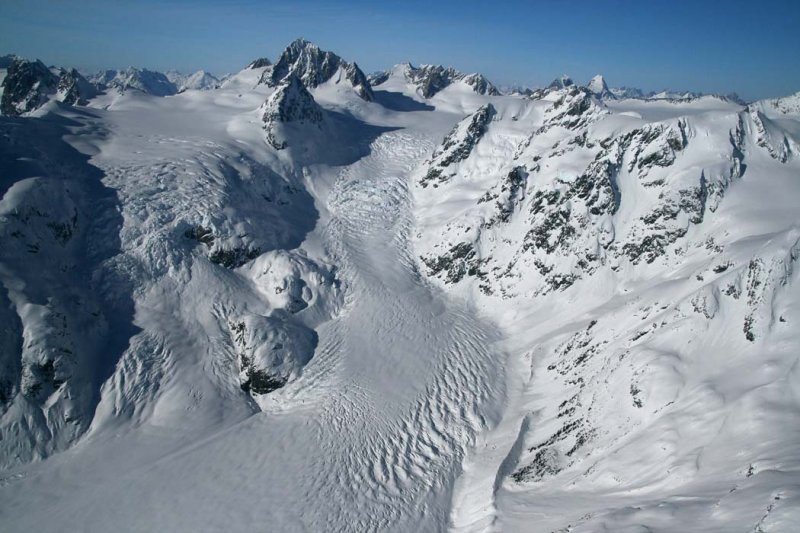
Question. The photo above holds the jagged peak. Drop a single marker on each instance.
(73, 88)
(290, 103)
(597, 84)
(27, 85)
(291, 100)
(314, 66)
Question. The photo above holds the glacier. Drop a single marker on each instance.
(298, 298)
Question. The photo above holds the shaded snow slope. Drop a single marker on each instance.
(642, 257)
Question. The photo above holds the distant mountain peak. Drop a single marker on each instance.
(561, 82)
(599, 87)
(74, 89)
(431, 79)
(261, 62)
(26, 86)
(140, 79)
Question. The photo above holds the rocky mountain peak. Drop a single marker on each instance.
(74, 89)
(599, 87)
(313, 67)
(290, 103)
(26, 86)
(140, 79)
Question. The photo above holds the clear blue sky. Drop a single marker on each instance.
(752, 47)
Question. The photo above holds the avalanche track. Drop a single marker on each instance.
(371, 437)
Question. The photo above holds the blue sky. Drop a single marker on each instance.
(751, 47)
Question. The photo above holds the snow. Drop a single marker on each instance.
(197, 81)
(256, 334)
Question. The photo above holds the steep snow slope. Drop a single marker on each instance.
(645, 272)
(458, 311)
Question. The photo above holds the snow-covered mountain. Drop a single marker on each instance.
(411, 304)
(599, 88)
(291, 103)
(132, 78)
(74, 89)
(313, 67)
(431, 79)
(197, 81)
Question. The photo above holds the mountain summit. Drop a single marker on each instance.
(313, 67)
(599, 88)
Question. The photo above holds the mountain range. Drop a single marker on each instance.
(303, 298)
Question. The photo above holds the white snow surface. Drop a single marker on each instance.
(197, 81)
(584, 320)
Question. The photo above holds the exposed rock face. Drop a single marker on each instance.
(313, 67)
(770, 137)
(575, 107)
(480, 84)
(27, 86)
(572, 227)
(290, 103)
(6, 60)
(458, 145)
(74, 89)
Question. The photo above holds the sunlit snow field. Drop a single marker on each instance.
(566, 385)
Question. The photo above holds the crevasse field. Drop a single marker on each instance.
(300, 300)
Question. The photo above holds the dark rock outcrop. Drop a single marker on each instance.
(290, 103)
(74, 89)
(27, 86)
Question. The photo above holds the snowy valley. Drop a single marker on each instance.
(303, 298)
